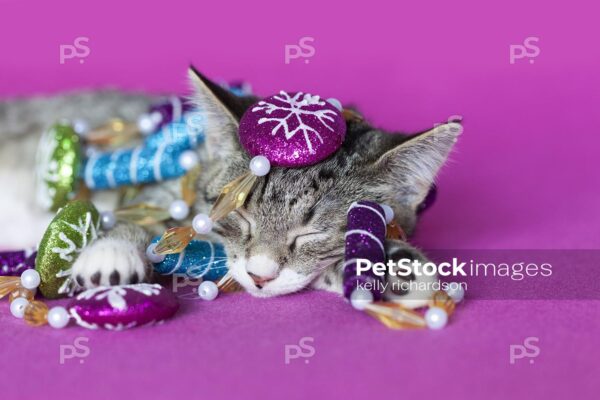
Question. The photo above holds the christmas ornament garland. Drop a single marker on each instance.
(173, 132)
(113, 307)
(148, 214)
(167, 154)
(285, 130)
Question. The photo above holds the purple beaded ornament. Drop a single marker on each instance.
(13, 263)
(365, 239)
(292, 130)
(169, 111)
(123, 307)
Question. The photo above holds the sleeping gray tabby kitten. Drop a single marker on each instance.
(290, 233)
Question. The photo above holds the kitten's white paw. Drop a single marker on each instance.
(109, 262)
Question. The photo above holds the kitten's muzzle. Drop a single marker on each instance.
(259, 281)
(262, 269)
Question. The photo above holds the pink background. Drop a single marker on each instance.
(524, 175)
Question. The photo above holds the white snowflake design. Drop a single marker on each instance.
(295, 109)
(84, 227)
(115, 295)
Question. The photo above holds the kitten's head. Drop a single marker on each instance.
(292, 226)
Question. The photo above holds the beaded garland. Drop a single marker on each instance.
(286, 130)
(148, 214)
(108, 307)
(173, 130)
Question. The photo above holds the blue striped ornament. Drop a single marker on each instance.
(200, 259)
(157, 159)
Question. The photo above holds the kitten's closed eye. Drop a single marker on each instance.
(247, 224)
(298, 238)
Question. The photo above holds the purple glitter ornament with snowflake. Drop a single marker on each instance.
(292, 130)
(13, 263)
(123, 307)
(365, 239)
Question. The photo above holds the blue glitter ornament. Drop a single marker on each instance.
(200, 259)
(157, 159)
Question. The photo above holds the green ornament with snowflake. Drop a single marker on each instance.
(74, 227)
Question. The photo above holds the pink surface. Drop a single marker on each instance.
(524, 176)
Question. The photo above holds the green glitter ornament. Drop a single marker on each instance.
(58, 161)
(74, 227)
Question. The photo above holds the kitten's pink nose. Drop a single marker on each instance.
(262, 269)
(259, 281)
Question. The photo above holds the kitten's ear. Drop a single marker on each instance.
(406, 172)
(221, 111)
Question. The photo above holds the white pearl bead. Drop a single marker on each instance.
(58, 317)
(208, 290)
(456, 291)
(81, 127)
(389, 213)
(152, 256)
(147, 123)
(360, 298)
(188, 159)
(336, 103)
(17, 307)
(202, 224)
(179, 210)
(30, 279)
(260, 165)
(436, 318)
(108, 220)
